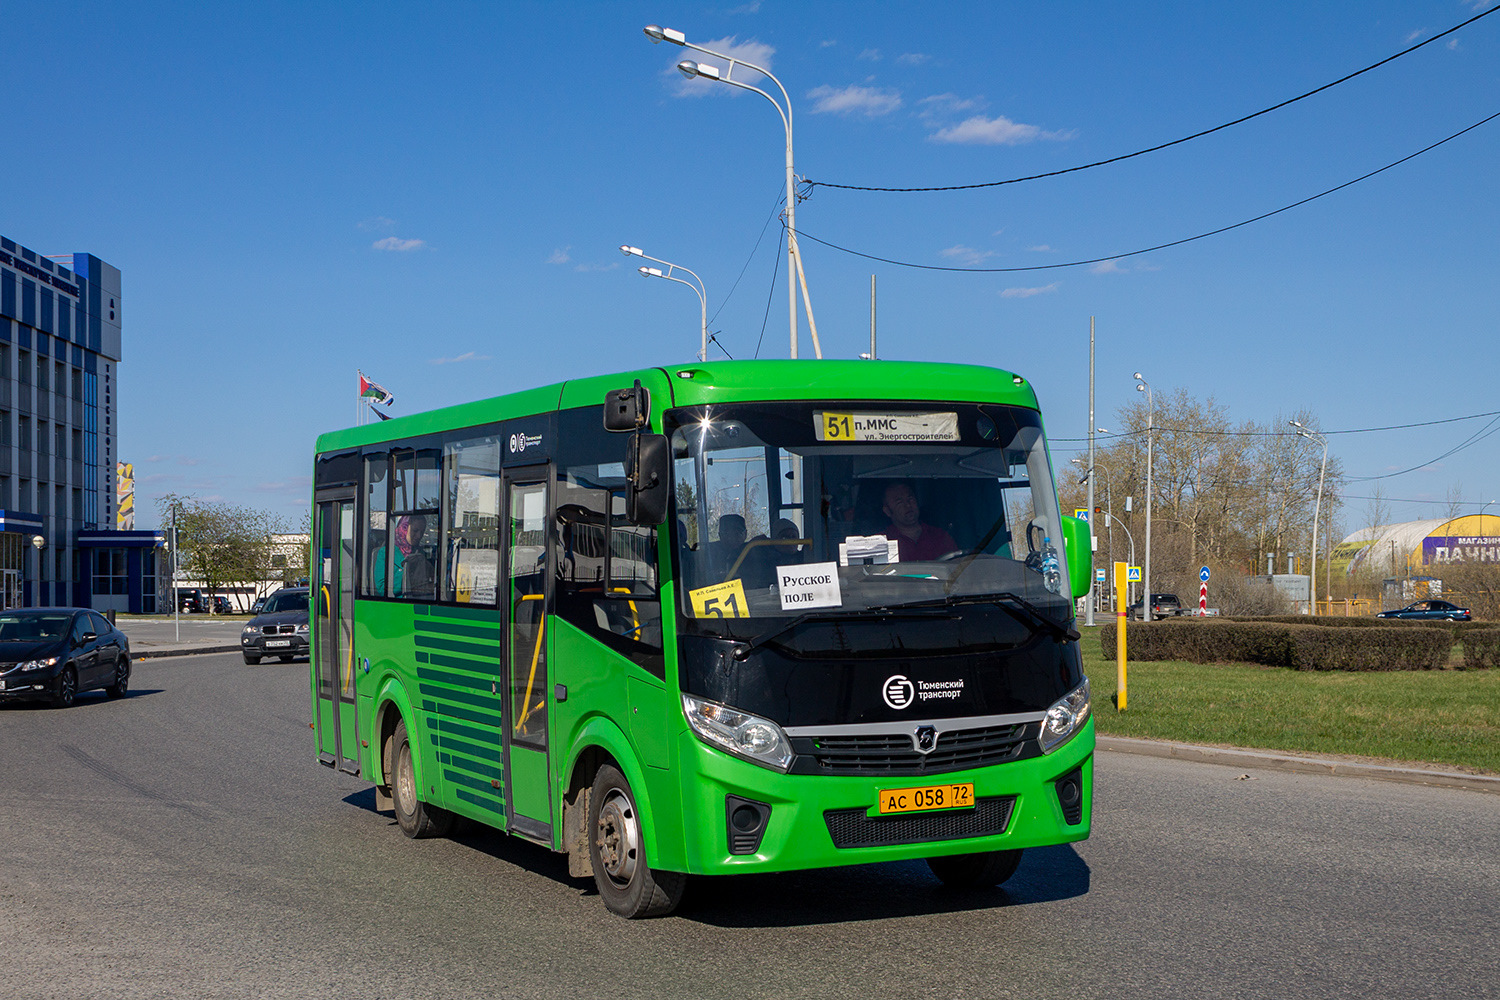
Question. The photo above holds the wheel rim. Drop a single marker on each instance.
(67, 686)
(405, 786)
(122, 675)
(619, 838)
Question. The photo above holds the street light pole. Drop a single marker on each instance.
(1312, 581)
(795, 274)
(38, 543)
(1143, 386)
(698, 289)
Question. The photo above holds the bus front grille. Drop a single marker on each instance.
(896, 754)
(853, 828)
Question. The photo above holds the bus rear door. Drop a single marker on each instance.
(333, 655)
(528, 590)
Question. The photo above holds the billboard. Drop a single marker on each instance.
(1438, 549)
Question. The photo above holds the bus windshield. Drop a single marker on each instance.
(786, 508)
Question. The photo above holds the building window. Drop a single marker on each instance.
(109, 572)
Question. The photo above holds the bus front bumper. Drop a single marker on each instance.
(820, 821)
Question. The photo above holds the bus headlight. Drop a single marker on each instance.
(1066, 716)
(747, 736)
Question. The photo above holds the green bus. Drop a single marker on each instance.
(745, 616)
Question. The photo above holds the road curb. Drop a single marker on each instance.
(151, 654)
(1271, 760)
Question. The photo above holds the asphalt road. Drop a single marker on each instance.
(183, 842)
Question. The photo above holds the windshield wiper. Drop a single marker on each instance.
(746, 646)
(1005, 600)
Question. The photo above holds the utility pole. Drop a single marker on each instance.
(1088, 605)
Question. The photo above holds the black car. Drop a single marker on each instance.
(280, 629)
(51, 654)
(1162, 606)
(1430, 610)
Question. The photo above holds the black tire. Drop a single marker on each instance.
(975, 871)
(122, 679)
(252, 660)
(416, 818)
(617, 852)
(65, 690)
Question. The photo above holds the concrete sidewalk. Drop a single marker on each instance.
(1275, 760)
(161, 635)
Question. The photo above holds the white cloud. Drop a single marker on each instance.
(873, 55)
(398, 245)
(997, 131)
(754, 52)
(466, 356)
(854, 100)
(967, 255)
(1414, 36)
(745, 8)
(828, 44)
(1026, 293)
(913, 59)
(1108, 267)
(1041, 248)
(560, 256)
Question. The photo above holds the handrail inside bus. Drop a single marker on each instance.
(745, 550)
(536, 655)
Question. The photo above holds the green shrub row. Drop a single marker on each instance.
(1481, 648)
(1299, 646)
(1333, 621)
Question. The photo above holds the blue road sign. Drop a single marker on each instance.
(1099, 575)
(1082, 513)
(1132, 574)
(1203, 574)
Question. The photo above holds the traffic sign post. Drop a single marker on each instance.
(1203, 592)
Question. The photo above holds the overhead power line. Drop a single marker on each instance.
(1350, 430)
(802, 234)
(1166, 145)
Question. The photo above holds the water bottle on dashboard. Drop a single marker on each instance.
(1051, 571)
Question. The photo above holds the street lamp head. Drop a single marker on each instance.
(1294, 423)
(690, 69)
(1140, 387)
(632, 251)
(39, 542)
(650, 272)
(657, 33)
(1138, 377)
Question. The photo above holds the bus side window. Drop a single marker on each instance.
(373, 529)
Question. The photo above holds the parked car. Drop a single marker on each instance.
(1162, 606)
(1430, 610)
(280, 629)
(51, 654)
(260, 602)
(191, 601)
(222, 605)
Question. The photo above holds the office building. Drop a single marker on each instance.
(60, 320)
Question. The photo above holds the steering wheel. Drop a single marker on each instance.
(950, 556)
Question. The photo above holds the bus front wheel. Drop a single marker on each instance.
(975, 871)
(617, 851)
(416, 818)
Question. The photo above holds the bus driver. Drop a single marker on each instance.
(915, 540)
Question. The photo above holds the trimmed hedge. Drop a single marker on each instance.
(1298, 646)
(1481, 648)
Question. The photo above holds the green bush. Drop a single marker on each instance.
(1297, 645)
(1481, 648)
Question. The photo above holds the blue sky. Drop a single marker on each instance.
(435, 193)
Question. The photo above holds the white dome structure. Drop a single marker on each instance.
(1419, 547)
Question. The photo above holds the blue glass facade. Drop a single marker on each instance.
(59, 386)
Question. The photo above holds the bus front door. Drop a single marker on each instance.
(333, 657)
(527, 589)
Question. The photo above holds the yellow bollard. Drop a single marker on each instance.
(1121, 573)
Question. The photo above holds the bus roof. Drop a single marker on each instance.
(721, 382)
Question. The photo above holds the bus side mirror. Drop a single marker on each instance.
(646, 468)
(1079, 548)
(627, 409)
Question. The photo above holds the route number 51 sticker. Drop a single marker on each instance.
(722, 600)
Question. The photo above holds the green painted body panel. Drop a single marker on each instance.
(439, 667)
(797, 835)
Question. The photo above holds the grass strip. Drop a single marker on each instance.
(1449, 718)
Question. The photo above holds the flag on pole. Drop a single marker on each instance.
(373, 391)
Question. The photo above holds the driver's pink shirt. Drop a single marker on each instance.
(932, 543)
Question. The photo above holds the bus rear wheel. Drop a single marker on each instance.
(975, 871)
(416, 818)
(617, 852)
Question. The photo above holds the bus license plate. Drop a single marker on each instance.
(276, 643)
(904, 800)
